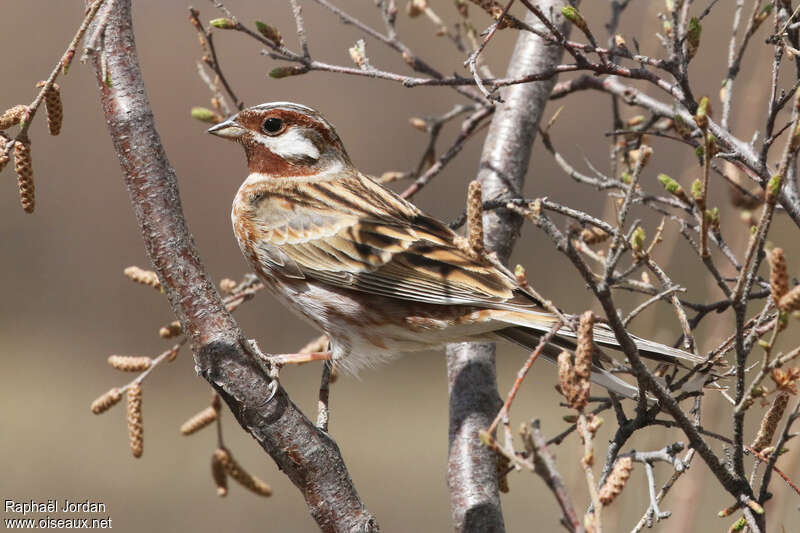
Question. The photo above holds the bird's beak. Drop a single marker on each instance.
(228, 129)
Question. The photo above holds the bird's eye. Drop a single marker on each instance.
(273, 125)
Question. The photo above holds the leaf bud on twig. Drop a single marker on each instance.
(269, 32)
(693, 37)
(223, 23)
(203, 114)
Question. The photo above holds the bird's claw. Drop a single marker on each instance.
(270, 365)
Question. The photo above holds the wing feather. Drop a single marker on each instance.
(357, 235)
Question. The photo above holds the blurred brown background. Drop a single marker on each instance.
(67, 306)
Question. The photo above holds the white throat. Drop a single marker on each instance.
(332, 171)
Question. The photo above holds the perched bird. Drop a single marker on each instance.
(365, 266)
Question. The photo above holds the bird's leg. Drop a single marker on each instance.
(299, 358)
(272, 363)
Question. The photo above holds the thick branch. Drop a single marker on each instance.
(474, 401)
(307, 455)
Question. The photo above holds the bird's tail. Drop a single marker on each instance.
(527, 327)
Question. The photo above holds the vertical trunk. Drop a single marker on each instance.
(472, 383)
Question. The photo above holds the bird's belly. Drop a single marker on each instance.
(366, 330)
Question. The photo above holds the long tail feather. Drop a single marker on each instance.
(603, 336)
(529, 339)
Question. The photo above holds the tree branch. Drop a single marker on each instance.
(307, 455)
(474, 401)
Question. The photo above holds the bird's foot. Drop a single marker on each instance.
(270, 368)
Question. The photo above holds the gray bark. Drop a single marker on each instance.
(474, 401)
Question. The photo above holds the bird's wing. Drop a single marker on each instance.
(353, 233)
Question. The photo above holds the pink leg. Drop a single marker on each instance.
(299, 358)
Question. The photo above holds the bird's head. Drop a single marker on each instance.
(282, 139)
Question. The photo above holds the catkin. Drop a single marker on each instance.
(475, 217)
(135, 427)
(218, 472)
(616, 480)
(13, 116)
(566, 376)
(130, 363)
(583, 360)
(145, 277)
(770, 421)
(202, 419)
(108, 400)
(54, 107)
(3, 157)
(234, 470)
(778, 277)
(791, 300)
(24, 169)
(583, 353)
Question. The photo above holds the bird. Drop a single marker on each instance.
(368, 268)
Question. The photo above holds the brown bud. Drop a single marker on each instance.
(135, 427)
(415, 8)
(23, 166)
(271, 33)
(173, 329)
(418, 123)
(594, 235)
(105, 402)
(130, 363)
(173, 353)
